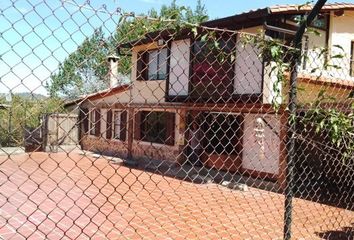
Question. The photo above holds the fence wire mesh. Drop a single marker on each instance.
(122, 126)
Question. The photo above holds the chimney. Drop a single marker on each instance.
(113, 70)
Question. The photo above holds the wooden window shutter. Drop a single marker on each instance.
(84, 120)
(97, 122)
(137, 126)
(123, 125)
(170, 128)
(109, 124)
(142, 65)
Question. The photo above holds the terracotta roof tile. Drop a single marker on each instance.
(98, 95)
(293, 7)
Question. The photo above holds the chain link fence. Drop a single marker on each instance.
(120, 126)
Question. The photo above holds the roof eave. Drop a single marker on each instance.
(98, 95)
(239, 18)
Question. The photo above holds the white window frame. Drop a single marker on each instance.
(117, 115)
(157, 64)
(92, 122)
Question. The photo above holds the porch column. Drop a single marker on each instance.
(283, 153)
(181, 135)
(130, 134)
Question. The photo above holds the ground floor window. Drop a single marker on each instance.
(117, 124)
(94, 122)
(120, 124)
(155, 127)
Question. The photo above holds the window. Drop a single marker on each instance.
(152, 65)
(155, 127)
(92, 122)
(352, 60)
(213, 68)
(116, 124)
(95, 125)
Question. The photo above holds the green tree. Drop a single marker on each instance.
(83, 71)
(24, 112)
(170, 16)
(200, 13)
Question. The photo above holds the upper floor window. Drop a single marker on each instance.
(213, 67)
(213, 58)
(152, 65)
(352, 60)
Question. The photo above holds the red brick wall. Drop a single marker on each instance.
(140, 150)
(155, 151)
(104, 146)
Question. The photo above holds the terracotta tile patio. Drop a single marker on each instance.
(71, 196)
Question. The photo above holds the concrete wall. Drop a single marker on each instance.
(308, 92)
(123, 97)
(342, 33)
(315, 44)
(270, 80)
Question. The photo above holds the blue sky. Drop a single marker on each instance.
(37, 35)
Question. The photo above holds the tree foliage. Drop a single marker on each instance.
(23, 113)
(337, 125)
(84, 70)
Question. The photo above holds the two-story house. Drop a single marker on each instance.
(177, 79)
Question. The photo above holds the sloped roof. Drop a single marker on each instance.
(275, 10)
(296, 8)
(238, 21)
(97, 95)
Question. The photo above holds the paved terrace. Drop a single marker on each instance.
(72, 196)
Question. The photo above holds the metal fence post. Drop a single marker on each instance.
(296, 61)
